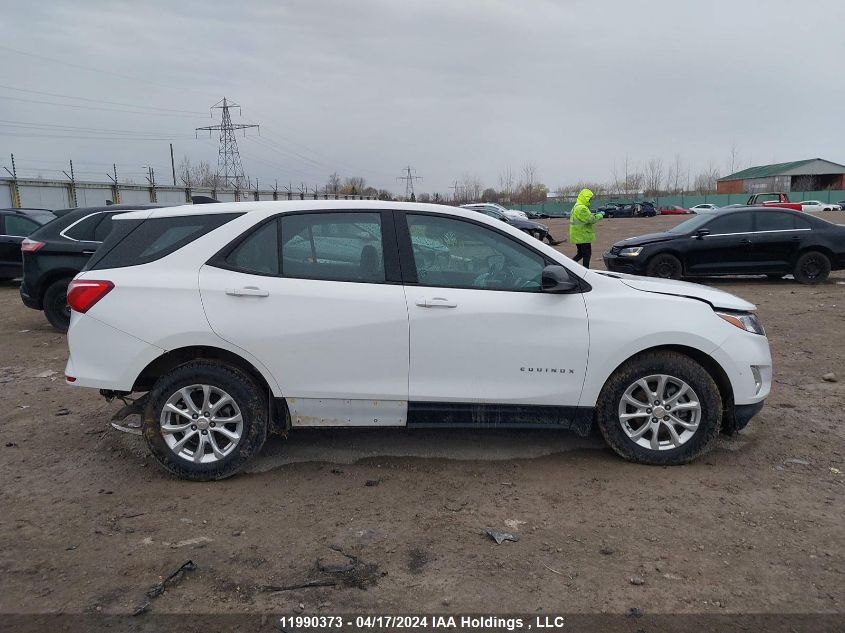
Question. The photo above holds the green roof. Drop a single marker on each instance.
(778, 169)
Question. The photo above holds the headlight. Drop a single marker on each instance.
(747, 321)
(631, 252)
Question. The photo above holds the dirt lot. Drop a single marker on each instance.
(89, 523)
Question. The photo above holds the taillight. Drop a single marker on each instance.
(31, 246)
(82, 294)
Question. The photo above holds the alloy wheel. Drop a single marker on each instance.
(659, 412)
(201, 423)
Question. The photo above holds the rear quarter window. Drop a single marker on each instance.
(83, 230)
(136, 242)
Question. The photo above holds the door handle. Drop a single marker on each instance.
(436, 302)
(88, 253)
(796, 238)
(745, 241)
(247, 291)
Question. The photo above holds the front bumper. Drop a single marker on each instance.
(617, 264)
(743, 414)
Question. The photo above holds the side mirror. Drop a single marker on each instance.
(700, 233)
(556, 280)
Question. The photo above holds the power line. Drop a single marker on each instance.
(229, 165)
(34, 125)
(131, 105)
(84, 107)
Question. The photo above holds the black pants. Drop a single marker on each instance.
(584, 253)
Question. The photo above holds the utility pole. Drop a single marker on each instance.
(229, 166)
(151, 178)
(172, 165)
(409, 176)
(16, 194)
(72, 184)
(115, 190)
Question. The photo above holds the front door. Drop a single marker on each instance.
(488, 347)
(311, 297)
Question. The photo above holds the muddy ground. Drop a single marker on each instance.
(88, 522)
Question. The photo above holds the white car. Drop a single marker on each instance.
(235, 320)
(818, 205)
(510, 213)
(704, 208)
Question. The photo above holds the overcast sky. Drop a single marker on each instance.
(451, 87)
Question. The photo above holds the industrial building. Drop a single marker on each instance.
(814, 174)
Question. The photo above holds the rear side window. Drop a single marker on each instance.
(775, 221)
(154, 238)
(83, 230)
(730, 223)
(259, 252)
(343, 246)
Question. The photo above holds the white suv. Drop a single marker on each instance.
(236, 320)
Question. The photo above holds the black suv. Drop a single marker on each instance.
(55, 253)
(16, 224)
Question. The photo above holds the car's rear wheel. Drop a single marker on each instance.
(660, 408)
(812, 267)
(55, 304)
(665, 266)
(205, 420)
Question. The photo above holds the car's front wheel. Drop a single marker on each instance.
(665, 266)
(812, 268)
(204, 420)
(660, 408)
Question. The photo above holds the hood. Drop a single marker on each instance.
(716, 298)
(524, 223)
(650, 238)
(584, 197)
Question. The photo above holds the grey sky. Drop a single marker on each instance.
(366, 87)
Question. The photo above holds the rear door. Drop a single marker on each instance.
(487, 345)
(726, 250)
(317, 298)
(778, 236)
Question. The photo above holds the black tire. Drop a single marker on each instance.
(665, 266)
(247, 395)
(678, 366)
(55, 305)
(812, 267)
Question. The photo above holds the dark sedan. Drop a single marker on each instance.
(746, 241)
(15, 225)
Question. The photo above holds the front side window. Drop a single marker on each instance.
(730, 223)
(19, 226)
(458, 254)
(345, 246)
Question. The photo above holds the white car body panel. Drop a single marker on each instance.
(348, 353)
(320, 339)
(499, 347)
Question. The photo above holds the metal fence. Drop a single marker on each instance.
(559, 207)
(58, 194)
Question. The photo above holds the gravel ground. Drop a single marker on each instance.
(89, 523)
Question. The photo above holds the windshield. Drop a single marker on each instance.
(688, 226)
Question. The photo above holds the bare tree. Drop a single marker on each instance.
(654, 177)
(705, 181)
(506, 183)
(354, 185)
(333, 183)
(472, 187)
